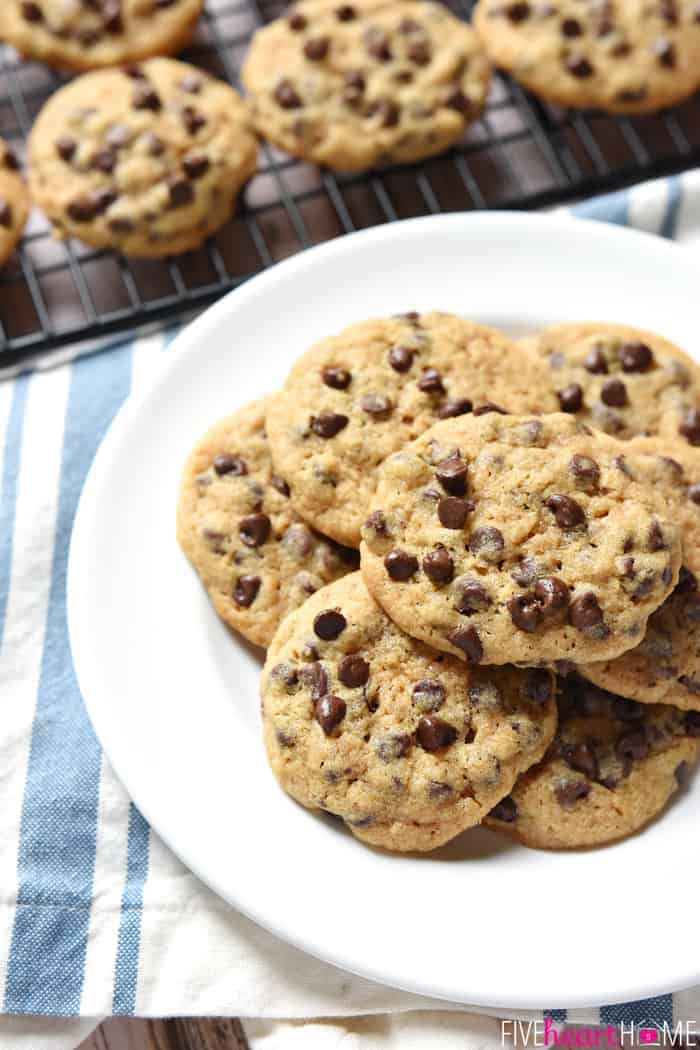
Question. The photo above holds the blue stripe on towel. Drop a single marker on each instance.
(8, 489)
(611, 207)
(127, 965)
(59, 815)
(673, 203)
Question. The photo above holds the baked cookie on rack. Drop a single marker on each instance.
(89, 34)
(353, 84)
(612, 767)
(614, 55)
(257, 559)
(404, 744)
(147, 159)
(14, 202)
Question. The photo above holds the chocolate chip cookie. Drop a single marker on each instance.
(665, 666)
(507, 539)
(255, 556)
(404, 744)
(147, 159)
(615, 55)
(353, 399)
(622, 380)
(611, 768)
(87, 34)
(351, 85)
(14, 202)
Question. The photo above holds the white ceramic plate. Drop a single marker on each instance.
(174, 699)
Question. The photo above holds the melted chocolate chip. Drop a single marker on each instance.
(452, 512)
(90, 205)
(385, 108)
(353, 671)
(228, 464)
(537, 686)
(377, 43)
(5, 213)
(487, 407)
(517, 11)
(552, 595)
(691, 723)
(431, 382)
(145, 97)
(192, 119)
(315, 679)
(452, 475)
(694, 493)
(525, 612)
(297, 22)
(633, 746)
(328, 424)
(438, 566)
(428, 695)
(66, 147)
(345, 13)
(434, 733)
(568, 514)
(656, 541)
(400, 565)
(578, 65)
(635, 357)
(689, 427)
(665, 52)
(585, 611)
(467, 639)
(571, 27)
(470, 595)
(31, 12)
(487, 543)
(595, 361)
(338, 378)
(285, 95)
(377, 522)
(376, 405)
(245, 590)
(419, 53)
(570, 397)
(581, 757)
(568, 792)
(104, 160)
(613, 393)
(180, 192)
(254, 529)
(395, 745)
(195, 164)
(400, 358)
(329, 623)
(329, 712)
(439, 790)
(316, 48)
(457, 100)
(452, 407)
(586, 472)
(506, 810)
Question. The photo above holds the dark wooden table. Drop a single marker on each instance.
(128, 1034)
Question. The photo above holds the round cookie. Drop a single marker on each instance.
(14, 202)
(88, 34)
(508, 539)
(611, 768)
(351, 85)
(665, 666)
(613, 55)
(406, 745)
(353, 399)
(147, 159)
(622, 380)
(235, 523)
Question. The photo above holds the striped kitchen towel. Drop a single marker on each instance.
(97, 917)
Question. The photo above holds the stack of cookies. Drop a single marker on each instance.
(517, 641)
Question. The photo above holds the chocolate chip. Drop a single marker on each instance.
(10, 161)
(487, 543)
(585, 612)
(664, 51)
(118, 136)
(687, 581)
(452, 475)
(568, 792)
(506, 810)
(568, 514)
(635, 357)
(614, 393)
(296, 22)
(668, 10)
(694, 493)
(227, 464)
(385, 108)
(470, 595)
(431, 382)
(329, 623)
(633, 746)
(354, 86)
(578, 65)
(525, 612)
(329, 712)
(377, 43)
(434, 732)
(345, 13)
(525, 572)
(400, 565)
(192, 119)
(438, 566)
(552, 595)
(104, 160)
(457, 100)
(570, 398)
(121, 226)
(459, 406)
(439, 790)
(419, 53)
(353, 671)
(133, 71)
(595, 361)
(656, 540)
(409, 25)
(581, 757)
(392, 747)
(467, 639)
(376, 405)
(145, 97)
(31, 12)
(316, 48)
(428, 695)
(537, 686)
(297, 541)
(154, 144)
(338, 378)
(5, 213)
(452, 512)
(89, 206)
(691, 723)
(254, 529)
(586, 472)
(400, 358)
(689, 426)
(571, 27)
(191, 83)
(180, 192)
(315, 679)
(285, 95)
(195, 164)
(377, 522)
(66, 147)
(487, 407)
(112, 16)
(518, 11)
(245, 590)
(328, 424)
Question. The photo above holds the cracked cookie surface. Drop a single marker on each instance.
(351, 85)
(615, 55)
(406, 745)
(256, 558)
(624, 381)
(355, 398)
(88, 34)
(512, 539)
(147, 159)
(611, 768)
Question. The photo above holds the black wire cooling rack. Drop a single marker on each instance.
(520, 154)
